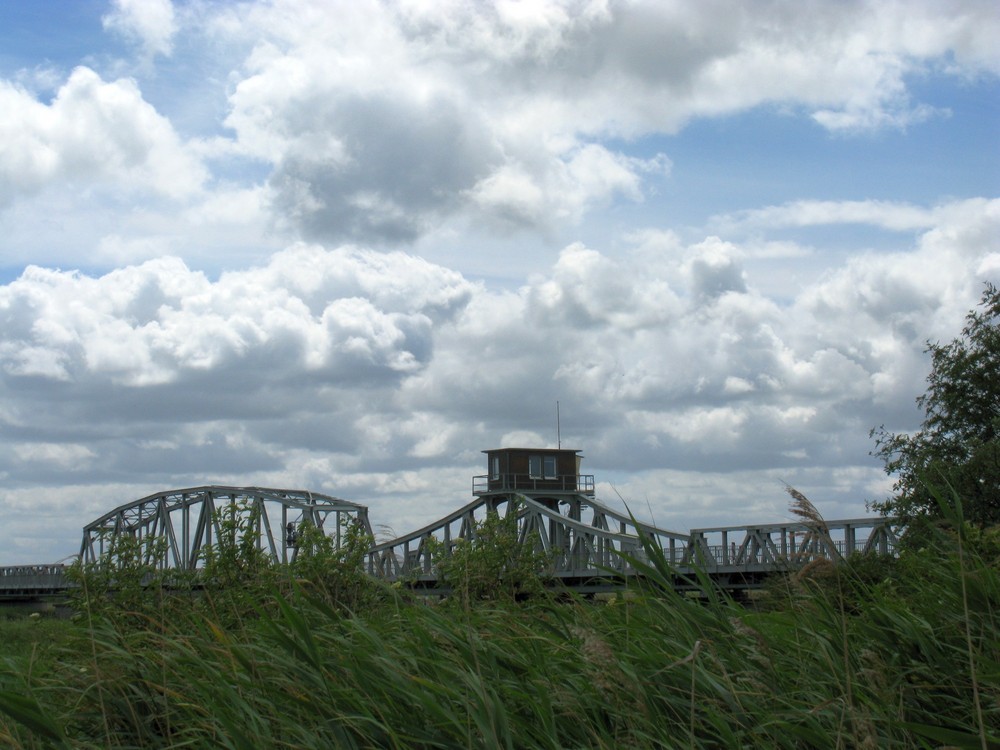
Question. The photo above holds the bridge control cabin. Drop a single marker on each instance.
(534, 470)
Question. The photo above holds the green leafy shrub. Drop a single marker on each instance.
(492, 563)
(958, 444)
(336, 572)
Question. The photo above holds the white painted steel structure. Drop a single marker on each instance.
(742, 556)
(187, 521)
(589, 546)
(32, 581)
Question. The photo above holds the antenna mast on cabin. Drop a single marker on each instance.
(558, 428)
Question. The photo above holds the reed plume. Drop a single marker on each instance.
(803, 508)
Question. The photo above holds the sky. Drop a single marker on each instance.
(347, 246)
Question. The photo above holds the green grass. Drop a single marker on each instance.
(862, 656)
(28, 644)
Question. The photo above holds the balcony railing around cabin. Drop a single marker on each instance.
(578, 483)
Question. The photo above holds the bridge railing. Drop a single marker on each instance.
(783, 545)
(32, 579)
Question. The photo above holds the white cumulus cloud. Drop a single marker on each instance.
(92, 133)
(151, 23)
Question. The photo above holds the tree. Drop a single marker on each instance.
(957, 446)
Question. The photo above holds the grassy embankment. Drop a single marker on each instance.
(865, 655)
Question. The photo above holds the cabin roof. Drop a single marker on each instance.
(533, 450)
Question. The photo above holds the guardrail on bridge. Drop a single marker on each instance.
(770, 547)
(32, 581)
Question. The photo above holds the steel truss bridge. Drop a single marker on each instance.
(586, 545)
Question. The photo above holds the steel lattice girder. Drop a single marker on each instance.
(184, 521)
(788, 545)
(583, 537)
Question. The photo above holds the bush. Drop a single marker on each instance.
(492, 564)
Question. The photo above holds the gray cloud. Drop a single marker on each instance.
(399, 167)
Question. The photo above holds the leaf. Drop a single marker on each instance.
(952, 737)
(25, 710)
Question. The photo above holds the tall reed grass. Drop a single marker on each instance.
(836, 657)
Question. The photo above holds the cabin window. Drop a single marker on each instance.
(496, 467)
(542, 467)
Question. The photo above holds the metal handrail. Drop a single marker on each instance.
(23, 579)
(509, 482)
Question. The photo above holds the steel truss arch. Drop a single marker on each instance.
(185, 522)
(584, 539)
